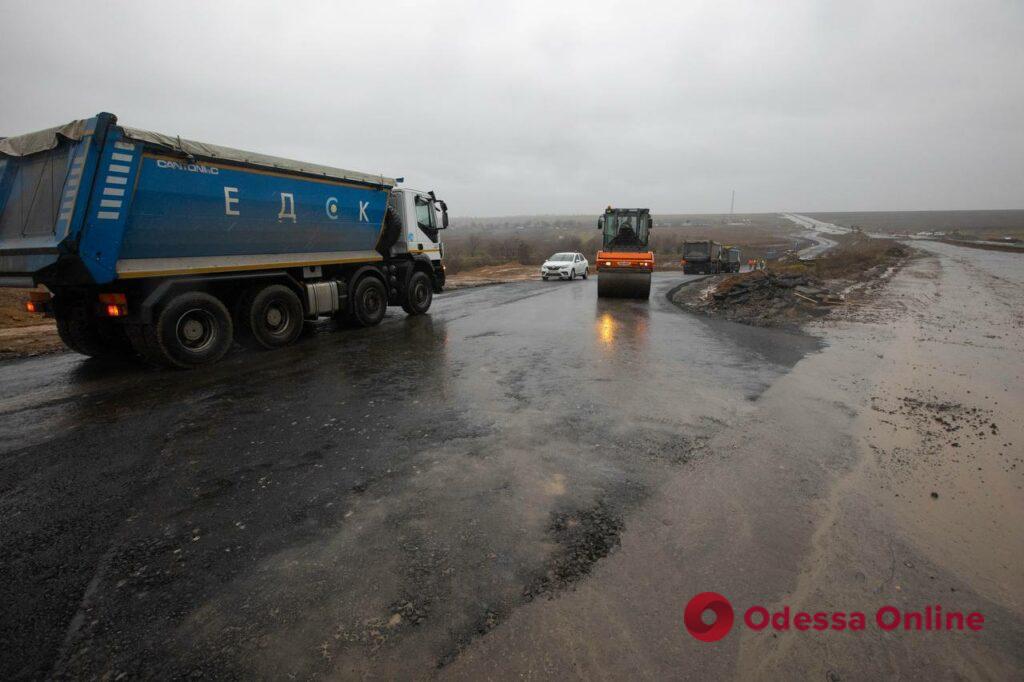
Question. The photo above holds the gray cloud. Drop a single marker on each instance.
(562, 108)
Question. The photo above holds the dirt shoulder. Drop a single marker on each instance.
(492, 274)
(790, 294)
(24, 334)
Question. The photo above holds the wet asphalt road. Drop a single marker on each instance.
(367, 502)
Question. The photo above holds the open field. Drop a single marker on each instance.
(973, 224)
(528, 240)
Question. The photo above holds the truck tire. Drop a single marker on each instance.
(268, 317)
(390, 233)
(192, 329)
(87, 335)
(419, 294)
(370, 302)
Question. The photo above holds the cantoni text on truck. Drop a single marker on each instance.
(173, 249)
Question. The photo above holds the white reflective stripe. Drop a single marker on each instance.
(124, 145)
(113, 192)
(80, 161)
(68, 203)
(65, 216)
(108, 215)
(122, 157)
(148, 267)
(75, 172)
(72, 184)
(117, 168)
(114, 180)
(110, 203)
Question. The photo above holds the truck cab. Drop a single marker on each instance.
(422, 216)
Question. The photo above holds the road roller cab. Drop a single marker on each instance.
(624, 264)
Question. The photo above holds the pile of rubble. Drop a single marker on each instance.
(769, 298)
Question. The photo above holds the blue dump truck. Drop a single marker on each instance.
(174, 249)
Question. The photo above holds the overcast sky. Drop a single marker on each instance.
(521, 107)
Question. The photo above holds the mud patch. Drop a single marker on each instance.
(583, 538)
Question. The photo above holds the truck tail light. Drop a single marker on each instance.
(114, 305)
(38, 302)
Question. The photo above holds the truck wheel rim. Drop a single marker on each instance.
(371, 301)
(276, 318)
(196, 329)
(419, 294)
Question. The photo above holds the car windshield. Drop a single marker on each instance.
(562, 257)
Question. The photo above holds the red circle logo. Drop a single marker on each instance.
(717, 604)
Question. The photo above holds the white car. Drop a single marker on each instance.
(568, 265)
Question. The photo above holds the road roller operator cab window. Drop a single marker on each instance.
(624, 229)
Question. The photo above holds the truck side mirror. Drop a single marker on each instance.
(600, 223)
(444, 217)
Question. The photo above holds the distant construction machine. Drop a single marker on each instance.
(731, 256)
(625, 264)
(702, 258)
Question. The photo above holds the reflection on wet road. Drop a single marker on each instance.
(366, 501)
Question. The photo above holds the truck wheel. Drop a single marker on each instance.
(269, 317)
(419, 294)
(193, 329)
(586, 271)
(370, 302)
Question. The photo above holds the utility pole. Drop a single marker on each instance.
(732, 204)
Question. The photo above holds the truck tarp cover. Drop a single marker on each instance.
(212, 151)
(44, 140)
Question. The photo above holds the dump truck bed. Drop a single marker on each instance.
(92, 202)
